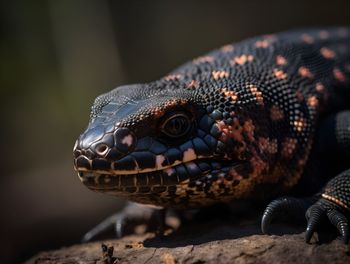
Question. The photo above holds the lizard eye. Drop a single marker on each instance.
(176, 125)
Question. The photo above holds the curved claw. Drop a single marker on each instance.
(100, 228)
(276, 207)
(268, 215)
(119, 225)
(313, 216)
(340, 222)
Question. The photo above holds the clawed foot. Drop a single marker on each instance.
(326, 209)
(315, 213)
(131, 216)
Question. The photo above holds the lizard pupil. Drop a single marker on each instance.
(176, 126)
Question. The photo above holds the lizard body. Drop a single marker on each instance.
(236, 123)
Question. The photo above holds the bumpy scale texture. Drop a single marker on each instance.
(252, 110)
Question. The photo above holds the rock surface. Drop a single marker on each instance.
(214, 242)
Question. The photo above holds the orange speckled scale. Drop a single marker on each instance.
(192, 84)
(280, 60)
(220, 74)
(248, 111)
(242, 59)
(339, 75)
(305, 72)
(241, 122)
(306, 38)
(327, 53)
(279, 74)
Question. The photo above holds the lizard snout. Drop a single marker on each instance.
(97, 149)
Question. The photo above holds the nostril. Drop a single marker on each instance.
(101, 149)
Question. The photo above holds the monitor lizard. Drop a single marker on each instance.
(251, 119)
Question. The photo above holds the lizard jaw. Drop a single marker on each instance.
(181, 186)
(175, 175)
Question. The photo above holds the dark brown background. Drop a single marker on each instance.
(56, 56)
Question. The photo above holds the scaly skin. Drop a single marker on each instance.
(236, 123)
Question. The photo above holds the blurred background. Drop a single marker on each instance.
(57, 56)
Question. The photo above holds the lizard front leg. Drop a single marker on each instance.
(125, 220)
(333, 202)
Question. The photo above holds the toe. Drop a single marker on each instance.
(340, 222)
(293, 206)
(313, 215)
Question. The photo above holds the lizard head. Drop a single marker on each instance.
(162, 145)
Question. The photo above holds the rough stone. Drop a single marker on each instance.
(214, 242)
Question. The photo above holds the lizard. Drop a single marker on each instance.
(257, 118)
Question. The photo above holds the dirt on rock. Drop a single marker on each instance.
(214, 242)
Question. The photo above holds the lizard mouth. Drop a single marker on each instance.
(146, 171)
(192, 173)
